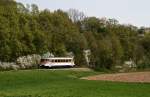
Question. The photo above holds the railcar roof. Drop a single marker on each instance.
(59, 58)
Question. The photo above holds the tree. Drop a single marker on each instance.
(93, 24)
(34, 9)
(76, 15)
(26, 30)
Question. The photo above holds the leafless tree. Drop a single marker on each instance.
(75, 15)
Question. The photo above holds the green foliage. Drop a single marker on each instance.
(144, 62)
(26, 30)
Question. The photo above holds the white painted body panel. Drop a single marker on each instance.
(58, 64)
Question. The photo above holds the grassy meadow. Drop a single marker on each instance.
(65, 83)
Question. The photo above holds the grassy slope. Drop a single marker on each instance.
(47, 83)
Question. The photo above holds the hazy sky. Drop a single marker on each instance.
(136, 12)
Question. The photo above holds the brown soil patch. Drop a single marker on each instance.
(142, 77)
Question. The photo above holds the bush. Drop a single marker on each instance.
(143, 66)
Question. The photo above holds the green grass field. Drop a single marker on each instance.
(61, 83)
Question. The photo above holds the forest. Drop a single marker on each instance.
(26, 30)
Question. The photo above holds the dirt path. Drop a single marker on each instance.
(122, 77)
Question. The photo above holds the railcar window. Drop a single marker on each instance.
(56, 60)
(42, 60)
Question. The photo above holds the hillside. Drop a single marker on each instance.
(27, 30)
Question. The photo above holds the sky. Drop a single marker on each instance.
(135, 12)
